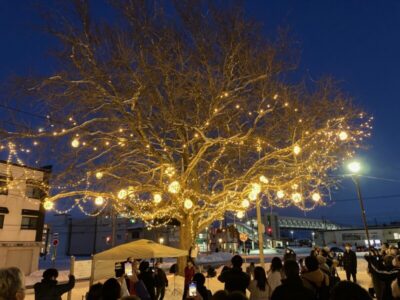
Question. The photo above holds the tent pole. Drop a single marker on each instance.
(92, 272)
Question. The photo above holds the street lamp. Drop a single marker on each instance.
(355, 167)
(161, 240)
(292, 232)
(313, 236)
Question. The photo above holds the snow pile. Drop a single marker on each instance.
(216, 257)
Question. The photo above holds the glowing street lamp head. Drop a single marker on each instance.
(354, 167)
(99, 201)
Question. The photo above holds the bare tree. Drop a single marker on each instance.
(185, 111)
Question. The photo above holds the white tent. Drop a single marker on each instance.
(103, 263)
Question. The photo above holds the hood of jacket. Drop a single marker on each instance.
(316, 277)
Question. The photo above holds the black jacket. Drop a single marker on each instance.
(50, 290)
(235, 280)
(292, 289)
(350, 261)
(160, 279)
(148, 280)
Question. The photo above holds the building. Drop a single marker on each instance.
(22, 190)
(357, 237)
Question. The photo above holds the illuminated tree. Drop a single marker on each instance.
(185, 113)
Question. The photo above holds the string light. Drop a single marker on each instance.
(343, 135)
(240, 214)
(99, 175)
(188, 204)
(75, 143)
(296, 150)
(264, 179)
(48, 205)
(122, 194)
(280, 194)
(245, 203)
(99, 201)
(256, 188)
(316, 197)
(174, 187)
(296, 197)
(157, 198)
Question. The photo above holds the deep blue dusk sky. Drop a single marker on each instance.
(357, 42)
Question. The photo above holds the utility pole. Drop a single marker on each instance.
(260, 227)
(364, 218)
(113, 226)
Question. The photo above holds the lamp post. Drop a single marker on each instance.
(355, 167)
(313, 237)
(292, 233)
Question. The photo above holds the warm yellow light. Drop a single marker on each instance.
(276, 96)
(296, 197)
(174, 187)
(188, 204)
(295, 186)
(343, 135)
(157, 198)
(354, 167)
(253, 195)
(245, 203)
(263, 179)
(170, 171)
(256, 188)
(48, 205)
(99, 175)
(99, 201)
(316, 197)
(75, 143)
(296, 150)
(122, 194)
(240, 214)
(280, 194)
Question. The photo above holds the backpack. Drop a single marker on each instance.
(322, 292)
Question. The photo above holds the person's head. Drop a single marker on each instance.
(158, 264)
(291, 269)
(347, 290)
(252, 264)
(220, 295)
(311, 263)
(199, 279)
(276, 264)
(347, 247)
(50, 274)
(111, 289)
(12, 284)
(385, 246)
(321, 259)
(260, 277)
(95, 292)
(393, 251)
(190, 264)
(144, 266)
(237, 261)
(396, 261)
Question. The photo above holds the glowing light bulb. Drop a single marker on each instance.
(99, 175)
(122, 194)
(157, 198)
(276, 96)
(99, 201)
(280, 194)
(75, 143)
(256, 188)
(240, 214)
(316, 197)
(48, 205)
(170, 171)
(188, 204)
(174, 187)
(296, 150)
(354, 167)
(245, 203)
(343, 135)
(253, 196)
(296, 197)
(263, 179)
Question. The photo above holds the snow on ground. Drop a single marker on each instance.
(174, 290)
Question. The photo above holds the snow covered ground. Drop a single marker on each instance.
(174, 291)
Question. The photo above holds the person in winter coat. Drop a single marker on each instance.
(350, 263)
(48, 289)
(314, 278)
(161, 281)
(189, 273)
(201, 288)
(235, 279)
(275, 273)
(259, 287)
(292, 287)
(146, 275)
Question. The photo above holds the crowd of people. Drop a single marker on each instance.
(314, 277)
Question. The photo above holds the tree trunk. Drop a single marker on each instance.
(185, 242)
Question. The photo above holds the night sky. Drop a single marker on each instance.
(357, 42)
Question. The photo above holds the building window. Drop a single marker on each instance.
(3, 185)
(29, 222)
(135, 234)
(396, 236)
(34, 189)
(1, 221)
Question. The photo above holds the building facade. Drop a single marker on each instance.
(22, 191)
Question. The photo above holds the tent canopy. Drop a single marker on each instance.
(104, 262)
(139, 249)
